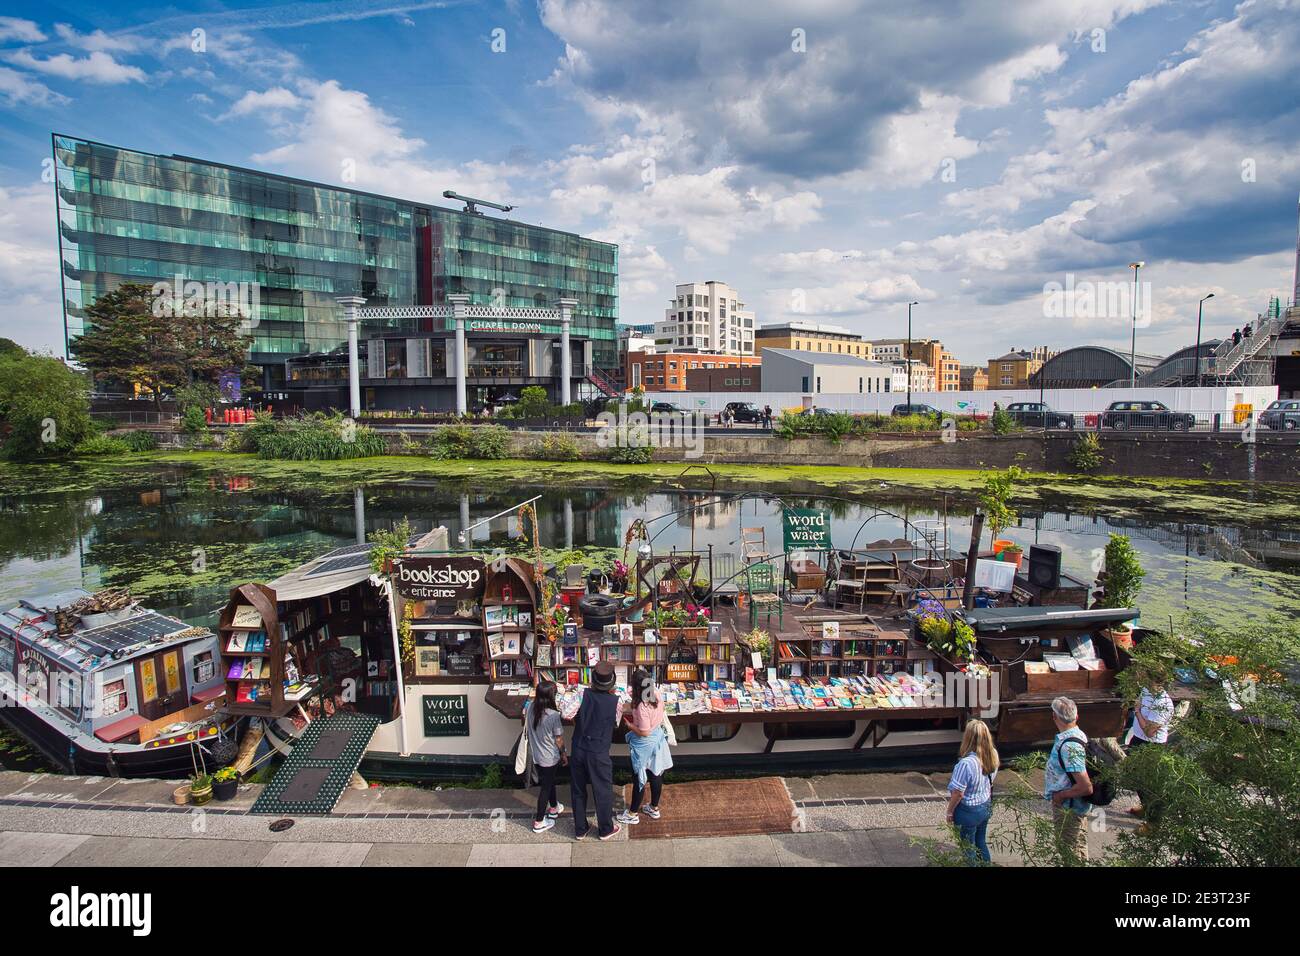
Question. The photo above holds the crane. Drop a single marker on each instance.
(472, 204)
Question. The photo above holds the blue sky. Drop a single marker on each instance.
(831, 160)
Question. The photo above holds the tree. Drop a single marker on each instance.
(996, 498)
(44, 406)
(8, 347)
(131, 340)
(1122, 579)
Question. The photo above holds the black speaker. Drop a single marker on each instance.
(1045, 566)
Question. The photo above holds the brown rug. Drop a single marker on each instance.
(710, 808)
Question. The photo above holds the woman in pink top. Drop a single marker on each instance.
(647, 744)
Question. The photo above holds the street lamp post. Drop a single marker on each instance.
(1200, 308)
(1133, 352)
(907, 356)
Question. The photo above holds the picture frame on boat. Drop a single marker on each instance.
(428, 661)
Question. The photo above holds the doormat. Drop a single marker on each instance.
(320, 766)
(713, 808)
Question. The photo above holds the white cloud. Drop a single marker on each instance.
(29, 268)
(98, 40)
(18, 87)
(25, 31)
(98, 67)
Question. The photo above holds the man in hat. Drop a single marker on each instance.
(593, 730)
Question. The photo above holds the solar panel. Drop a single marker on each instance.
(128, 633)
(344, 563)
(350, 549)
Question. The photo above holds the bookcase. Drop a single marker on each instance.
(509, 621)
(848, 647)
(252, 652)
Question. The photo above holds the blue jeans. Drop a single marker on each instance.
(973, 823)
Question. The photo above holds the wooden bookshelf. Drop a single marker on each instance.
(234, 626)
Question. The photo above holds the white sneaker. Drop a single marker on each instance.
(545, 825)
(555, 811)
(652, 812)
(631, 819)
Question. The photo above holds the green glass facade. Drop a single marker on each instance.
(128, 216)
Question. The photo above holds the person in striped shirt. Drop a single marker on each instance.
(970, 790)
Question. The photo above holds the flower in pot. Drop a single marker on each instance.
(759, 642)
(200, 789)
(225, 783)
(1013, 553)
(618, 576)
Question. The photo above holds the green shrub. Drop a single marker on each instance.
(470, 441)
(193, 420)
(1002, 422)
(632, 454)
(1085, 454)
(140, 441)
(99, 445)
(198, 395)
(314, 437)
(559, 447)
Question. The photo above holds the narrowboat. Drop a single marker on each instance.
(103, 686)
(442, 650)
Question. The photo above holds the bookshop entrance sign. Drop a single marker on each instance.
(446, 715)
(441, 578)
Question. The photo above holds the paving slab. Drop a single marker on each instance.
(625, 853)
(519, 854)
(417, 854)
(36, 849)
(895, 847)
(760, 850)
(858, 785)
(316, 854)
(852, 848)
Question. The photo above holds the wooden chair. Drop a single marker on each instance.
(753, 545)
(851, 584)
(761, 589)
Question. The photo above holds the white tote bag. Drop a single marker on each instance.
(668, 732)
(521, 754)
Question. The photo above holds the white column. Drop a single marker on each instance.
(359, 513)
(566, 361)
(459, 301)
(350, 305)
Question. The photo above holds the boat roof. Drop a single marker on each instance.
(993, 619)
(329, 572)
(98, 640)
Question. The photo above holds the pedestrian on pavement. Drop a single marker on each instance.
(546, 744)
(593, 730)
(1065, 779)
(647, 744)
(970, 790)
(767, 416)
(1152, 714)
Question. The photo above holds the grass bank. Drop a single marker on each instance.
(1190, 499)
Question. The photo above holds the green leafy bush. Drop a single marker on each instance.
(1122, 579)
(44, 406)
(559, 447)
(98, 445)
(1085, 454)
(193, 420)
(140, 441)
(470, 441)
(632, 455)
(314, 437)
(1001, 422)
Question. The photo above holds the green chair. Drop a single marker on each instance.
(761, 589)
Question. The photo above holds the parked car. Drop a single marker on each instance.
(1121, 415)
(901, 411)
(1038, 415)
(1282, 414)
(744, 412)
(667, 408)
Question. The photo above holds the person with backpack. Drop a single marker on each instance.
(1065, 779)
(970, 790)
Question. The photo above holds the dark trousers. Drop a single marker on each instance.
(597, 770)
(545, 791)
(638, 791)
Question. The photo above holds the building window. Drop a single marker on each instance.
(804, 383)
(114, 699)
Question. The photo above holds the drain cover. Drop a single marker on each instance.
(279, 826)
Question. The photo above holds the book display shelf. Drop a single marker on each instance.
(252, 652)
(841, 647)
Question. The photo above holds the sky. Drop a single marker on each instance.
(832, 160)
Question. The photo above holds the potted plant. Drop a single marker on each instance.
(200, 788)
(759, 642)
(1120, 580)
(635, 617)
(700, 588)
(995, 499)
(225, 783)
(1013, 553)
(618, 576)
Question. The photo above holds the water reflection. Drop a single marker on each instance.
(147, 534)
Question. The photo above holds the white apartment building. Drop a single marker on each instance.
(922, 375)
(706, 317)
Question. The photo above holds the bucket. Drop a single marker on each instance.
(1000, 545)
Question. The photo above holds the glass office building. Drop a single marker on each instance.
(129, 216)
